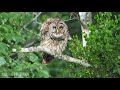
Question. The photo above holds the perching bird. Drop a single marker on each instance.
(54, 36)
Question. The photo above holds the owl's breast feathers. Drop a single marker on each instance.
(57, 47)
(54, 45)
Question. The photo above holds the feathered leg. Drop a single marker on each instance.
(46, 58)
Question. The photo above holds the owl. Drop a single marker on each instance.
(54, 36)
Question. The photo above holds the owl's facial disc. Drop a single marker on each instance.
(58, 33)
(58, 30)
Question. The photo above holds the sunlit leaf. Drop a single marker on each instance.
(2, 61)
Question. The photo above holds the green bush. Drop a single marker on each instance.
(102, 50)
(13, 36)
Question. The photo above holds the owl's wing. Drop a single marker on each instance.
(45, 28)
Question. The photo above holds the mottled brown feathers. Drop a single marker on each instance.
(54, 36)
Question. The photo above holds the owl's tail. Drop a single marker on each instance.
(46, 58)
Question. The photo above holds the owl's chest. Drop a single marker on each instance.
(55, 46)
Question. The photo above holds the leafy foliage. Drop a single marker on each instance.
(13, 36)
(102, 50)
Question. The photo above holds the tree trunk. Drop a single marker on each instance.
(85, 18)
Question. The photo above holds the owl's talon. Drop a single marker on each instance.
(44, 62)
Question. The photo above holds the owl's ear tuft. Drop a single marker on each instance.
(49, 21)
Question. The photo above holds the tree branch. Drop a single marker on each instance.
(70, 19)
(32, 19)
(63, 57)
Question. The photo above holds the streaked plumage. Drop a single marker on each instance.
(54, 36)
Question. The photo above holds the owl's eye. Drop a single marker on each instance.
(54, 27)
(61, 27)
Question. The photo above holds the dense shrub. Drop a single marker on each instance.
(102, 49)
(13, 36)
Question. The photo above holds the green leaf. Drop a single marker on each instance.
(43, 74)
(118, 57)
(17, 47)
(118, 69)
(32, 57)
(3, 47)
(1, 38)
(2, 61)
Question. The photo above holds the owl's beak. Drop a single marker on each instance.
(57, 30)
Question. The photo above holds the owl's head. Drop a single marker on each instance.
(57, 28)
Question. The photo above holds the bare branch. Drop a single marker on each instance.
(38, 23)
(31, 32)
(70, 19)
(29, 44)
(63, 57)
(32, 19)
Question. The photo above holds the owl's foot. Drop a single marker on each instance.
(44, 62)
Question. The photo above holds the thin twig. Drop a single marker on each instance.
(38, 23)
(70, 19)
(29, 44)
(32, 20)
(32, 32)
